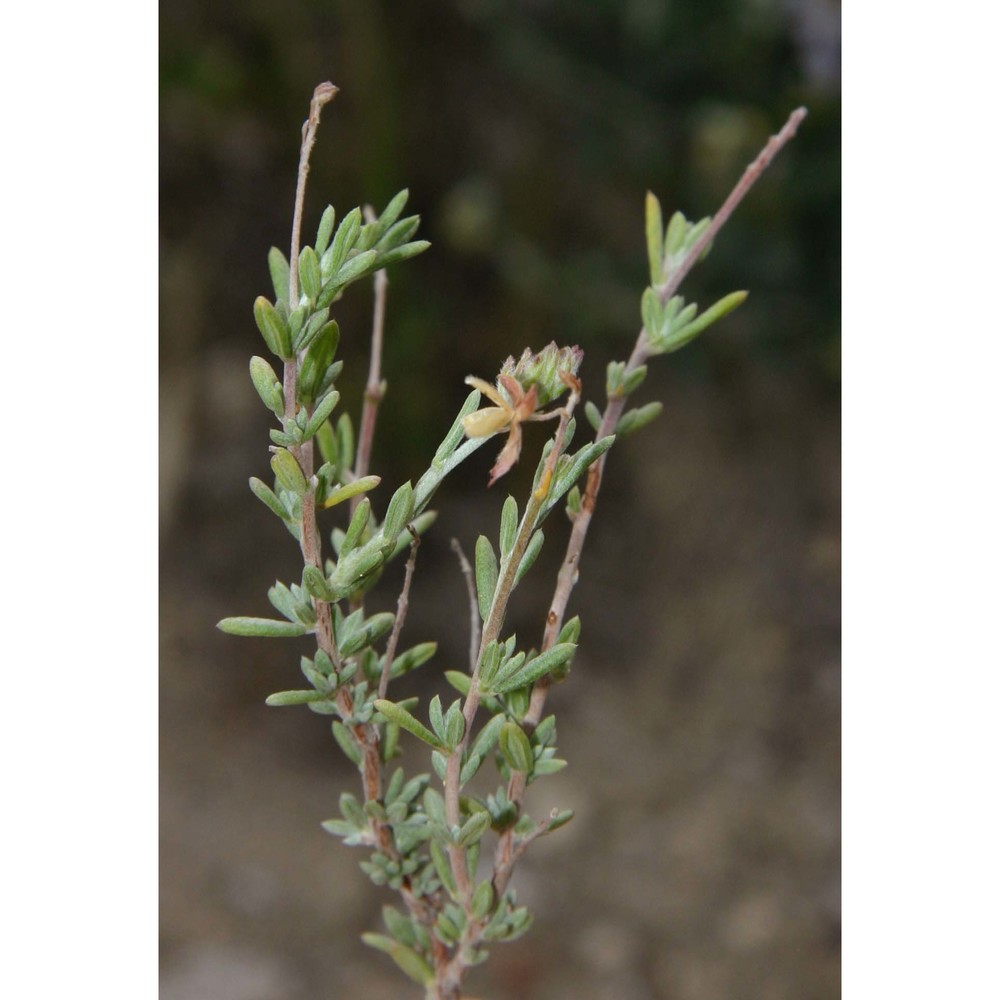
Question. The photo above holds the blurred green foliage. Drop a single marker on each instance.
(528, 133)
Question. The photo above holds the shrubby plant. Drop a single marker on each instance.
(448, 853)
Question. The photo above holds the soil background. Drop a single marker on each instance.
(701, 717)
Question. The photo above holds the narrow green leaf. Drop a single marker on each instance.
(443, 868)
(685, 334)
(260, 627)
(559, 818)
(275, 331)
(533, 669)
(267, 384)
(516, 748)
(344, 239)
(456, 432)
(403, 719)
(593, 414)
(355, 530)
(436, 714)
(288, 472)
(487, 736)
(281, 698)
(277, 264)
(309, 277)
(392, 212)
(325, 230)
(474, 828)
(351, 489)
(404, 252)
(346, 741)
(406, 958)
(570, 632)
(454, 724)
(487, 574)
(397, 234)
(482, 900)
(508, 526)
(461, 682)
(412, 658)
(267, 496)
(654, 238)
(637, 419)
(315, 582)
(534, 546)
(345, 441)
(399, 511)
(676, 232)
(324, 408)
(578, 464)
(356, 267)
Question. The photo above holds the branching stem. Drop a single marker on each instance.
(569, 570)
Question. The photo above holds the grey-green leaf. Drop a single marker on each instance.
(402, 718)
(261, 627)
(487, 573)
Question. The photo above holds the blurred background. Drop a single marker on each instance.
(701, 719)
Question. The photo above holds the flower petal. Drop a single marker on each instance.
(486, 422)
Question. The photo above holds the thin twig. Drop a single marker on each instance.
(322, 95)
(375, 388)
(570, 568)
(402, 606)
(470, 586)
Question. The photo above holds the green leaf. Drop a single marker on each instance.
(482, 900)
(461, 682)
(399, 511)
(654, 238)
(325, 230)
(454, 724)
(577, 465)
(508, 526)
(324, 408)
(355, 530)
(267, 496)
(516, 748)
(395, 713)
(443, 868)
(436, 714)
(356, 267)
(267, 384)
(405, 252)
(456, 432)
(474, 828)
(391, 212)
(277, 264)
(676, 232)
(345, 441)
(406, 958)
(487, 736)
(415, 656)
(294, 698)
(346, 741)
(570, 632)
(260, 627)
(637, 419)
(487, 574)
(315, 582)
(309, 277)
(275, 331)
(593, 414)
(397, 234)
(288, 472)
(559, 818)
(685, 334)
(344, 239)
(533, 669)
(531, 551)
(351, 489)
